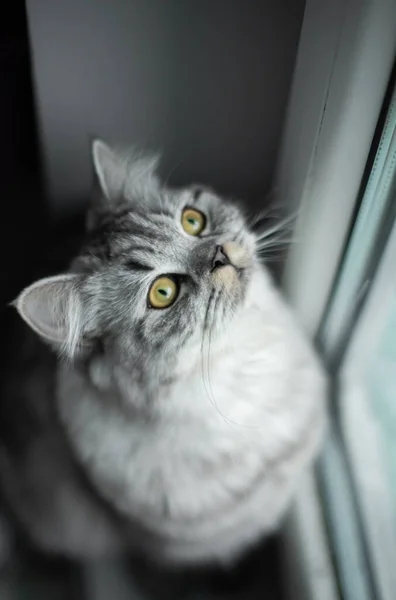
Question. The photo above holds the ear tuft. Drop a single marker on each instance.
(52, 308)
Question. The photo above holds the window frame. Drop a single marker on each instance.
(344, 62)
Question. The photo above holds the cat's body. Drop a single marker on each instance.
(183, 433)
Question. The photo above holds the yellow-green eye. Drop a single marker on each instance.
(163, 292)
(193, 221)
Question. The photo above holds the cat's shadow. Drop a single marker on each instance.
(257, 575)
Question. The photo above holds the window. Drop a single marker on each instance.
(359, 340)
(339, 165)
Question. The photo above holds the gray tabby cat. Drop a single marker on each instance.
(184, 403)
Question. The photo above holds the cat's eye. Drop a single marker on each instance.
(193, 221)
(163, 292)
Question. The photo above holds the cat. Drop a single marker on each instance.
(164, 400)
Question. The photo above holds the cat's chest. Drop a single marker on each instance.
(218, 430)
(180, 470)
(180, 466)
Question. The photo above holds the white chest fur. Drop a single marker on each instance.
(217, 465)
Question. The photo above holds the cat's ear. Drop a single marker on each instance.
(109, 168)
(122, 172)
(52, 308)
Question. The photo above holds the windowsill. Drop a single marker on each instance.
(308, 569)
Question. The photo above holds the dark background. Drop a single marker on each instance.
(29, 241)
(23, 211)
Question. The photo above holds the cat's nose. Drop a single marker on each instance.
(220, 258)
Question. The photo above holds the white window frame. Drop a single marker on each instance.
(347, 50)
(362, 433)
(346, 53)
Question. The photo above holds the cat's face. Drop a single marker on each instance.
(160, 270)
(167, 271)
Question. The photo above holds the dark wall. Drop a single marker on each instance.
(207, 82)
(17, 148)
(22, 207)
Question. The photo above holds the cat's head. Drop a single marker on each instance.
(160, 268)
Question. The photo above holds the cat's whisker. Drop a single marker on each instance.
(269, 259)
(285, 224)
(271, 254)
(209, 330)
(272, 248)
(206, 366)
(206, 329)
(260, 216)
(275, 242)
